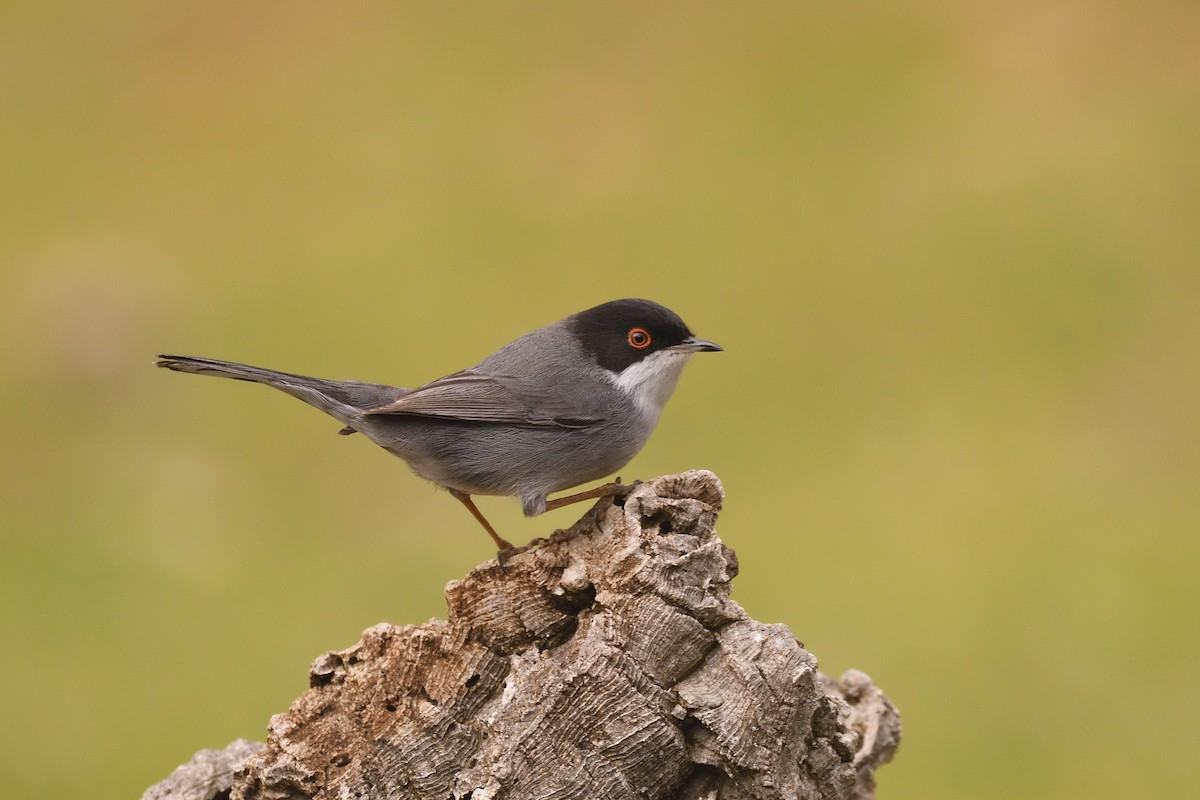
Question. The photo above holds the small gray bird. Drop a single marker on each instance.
(565, 404)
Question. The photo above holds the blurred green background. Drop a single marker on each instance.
(952, 251)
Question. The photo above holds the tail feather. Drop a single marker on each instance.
(343, 400)
(224, 369)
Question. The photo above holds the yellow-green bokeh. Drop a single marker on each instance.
(952, 251)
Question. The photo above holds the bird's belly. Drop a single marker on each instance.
(496, 459)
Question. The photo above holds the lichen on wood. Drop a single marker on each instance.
(605, 662)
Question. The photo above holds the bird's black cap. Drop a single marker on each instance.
(622, 332)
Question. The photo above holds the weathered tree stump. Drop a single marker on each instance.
(605, 662)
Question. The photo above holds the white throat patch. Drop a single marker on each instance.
(651, 381)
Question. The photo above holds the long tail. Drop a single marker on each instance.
(342, 400)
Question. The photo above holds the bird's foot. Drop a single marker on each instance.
(615, 489)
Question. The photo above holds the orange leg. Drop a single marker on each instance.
(607, 490)
(465, 499)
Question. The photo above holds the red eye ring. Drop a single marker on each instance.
(638, 338)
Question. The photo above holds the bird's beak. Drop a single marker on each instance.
(694, 345)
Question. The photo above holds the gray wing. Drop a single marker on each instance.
(476, 397)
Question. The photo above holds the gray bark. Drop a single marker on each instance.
(207, 776)
(606, 662)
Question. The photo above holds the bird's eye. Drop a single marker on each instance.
(638, 338)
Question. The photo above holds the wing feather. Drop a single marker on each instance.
(477, 397)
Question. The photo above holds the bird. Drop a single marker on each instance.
(565, 404)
